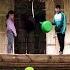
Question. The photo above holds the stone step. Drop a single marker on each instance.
(38, 61)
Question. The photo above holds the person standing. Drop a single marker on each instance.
(11, 30)
(60, 21)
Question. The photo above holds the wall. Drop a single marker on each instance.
(51, 39)
(67, 9)
(5, 6)
(52, 45)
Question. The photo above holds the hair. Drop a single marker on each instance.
(58, 6)
(10, 12)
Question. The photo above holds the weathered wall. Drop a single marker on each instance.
(52, 46)
(67, 9)
(5, 6)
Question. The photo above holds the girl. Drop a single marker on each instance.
(11, 31)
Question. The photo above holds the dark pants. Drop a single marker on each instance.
(61, 38)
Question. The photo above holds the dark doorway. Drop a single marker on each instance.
(30, 38)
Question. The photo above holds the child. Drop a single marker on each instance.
(60, 27)
(11, 31)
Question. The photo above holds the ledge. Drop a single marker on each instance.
(35, 60)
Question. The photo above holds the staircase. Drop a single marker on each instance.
(38, 61)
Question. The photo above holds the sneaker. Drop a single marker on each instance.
(60, 52)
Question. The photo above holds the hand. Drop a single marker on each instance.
(63, 32)
(15, 34)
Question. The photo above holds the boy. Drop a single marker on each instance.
(60, 26)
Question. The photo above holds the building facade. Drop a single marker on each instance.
(42, 42)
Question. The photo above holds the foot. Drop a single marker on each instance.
(60, 52)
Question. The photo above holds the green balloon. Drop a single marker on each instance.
(46, 26)
(29, 68)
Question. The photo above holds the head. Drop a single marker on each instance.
(58, 8)
(10, 15)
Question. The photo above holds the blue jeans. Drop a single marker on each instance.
(10, 37)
